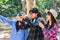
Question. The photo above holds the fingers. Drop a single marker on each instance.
(41, 25)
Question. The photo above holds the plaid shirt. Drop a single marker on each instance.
(52, 33)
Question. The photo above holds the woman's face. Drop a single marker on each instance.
(48, 17)
(33, 15)
(20, 18)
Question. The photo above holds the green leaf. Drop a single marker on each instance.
(1, 1)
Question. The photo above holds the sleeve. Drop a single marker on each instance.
(51, 32)
(6, 20)
(28, 24)
(42, 20)
(24, 25)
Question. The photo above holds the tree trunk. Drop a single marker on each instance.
(54, 4)
(23, 4)
(28, 4)
(34, 3)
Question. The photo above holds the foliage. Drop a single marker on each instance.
(43, 4)
(10, 7)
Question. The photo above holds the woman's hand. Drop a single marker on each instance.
(19, 18)
(41, 25)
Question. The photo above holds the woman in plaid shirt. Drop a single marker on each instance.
(50, 29)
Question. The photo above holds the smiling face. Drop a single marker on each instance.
(49, 16)
(33, 15)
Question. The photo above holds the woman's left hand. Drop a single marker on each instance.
(41, 25)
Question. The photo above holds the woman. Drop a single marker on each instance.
(51, 28)
(35, 32)
(18, 30)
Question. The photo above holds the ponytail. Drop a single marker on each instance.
(39, 14)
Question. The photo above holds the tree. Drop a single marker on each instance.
(34, 3)
(23, 4)
(28, 4)
(54, 4)
(10, 7)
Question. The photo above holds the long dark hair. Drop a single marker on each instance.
(53, 20)
(17, 26)
(39, 14)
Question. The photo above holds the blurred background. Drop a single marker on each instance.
(10, 8)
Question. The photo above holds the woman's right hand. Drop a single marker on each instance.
(19, 18)
(41, 25)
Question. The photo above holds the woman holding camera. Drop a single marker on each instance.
(18, 30)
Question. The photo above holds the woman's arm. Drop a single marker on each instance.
(51, 32)
(27, 25)
(6, 20)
